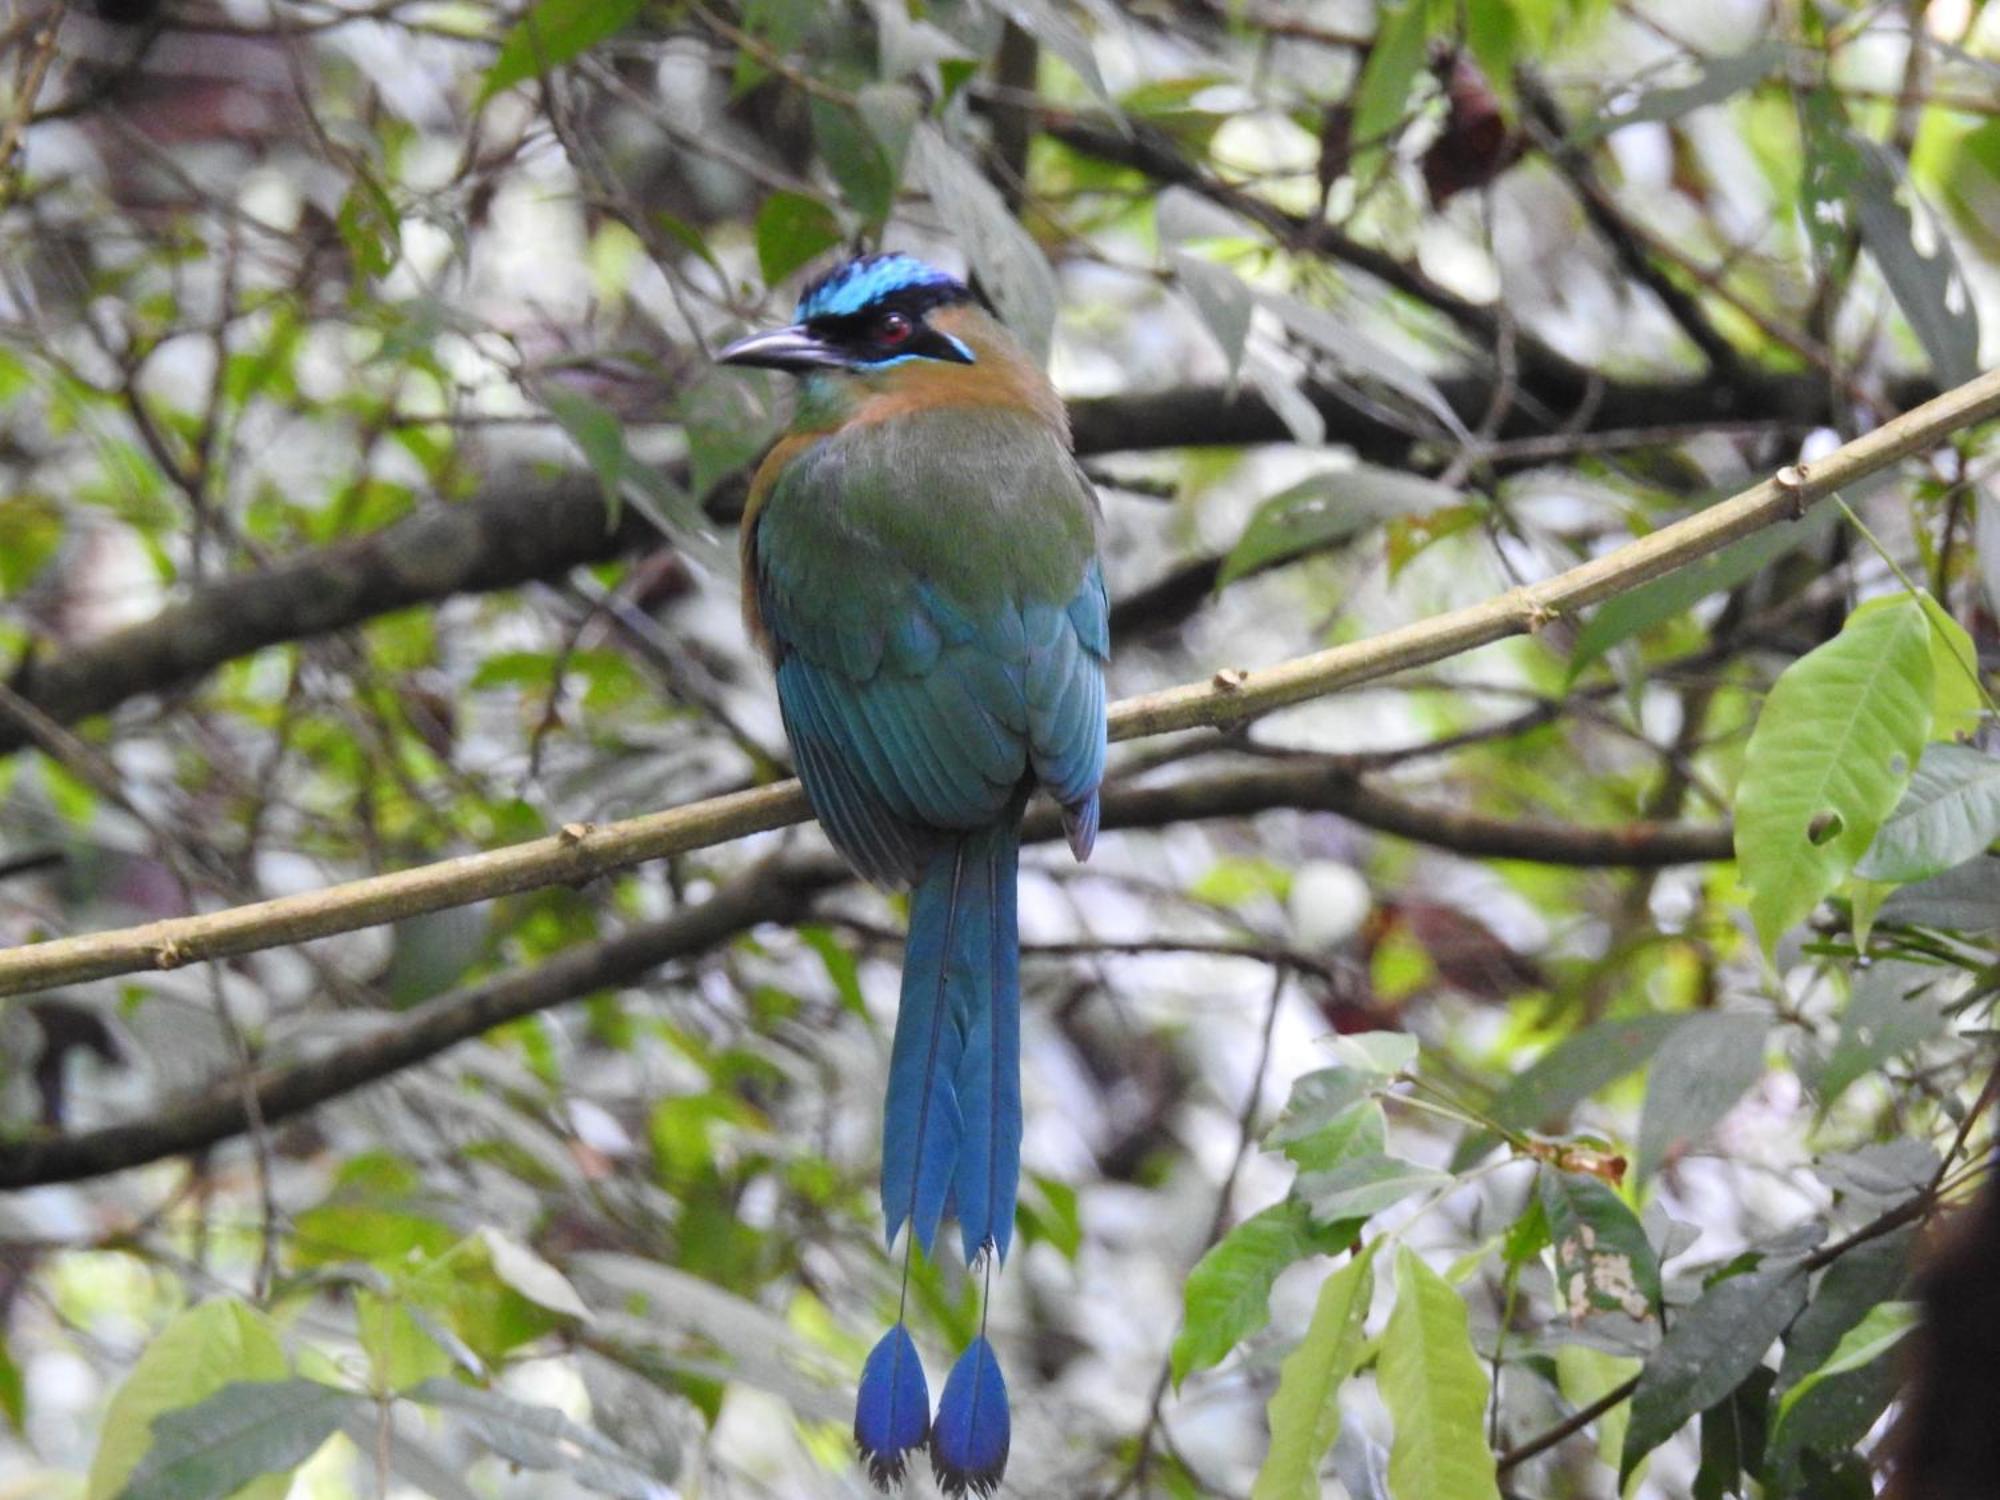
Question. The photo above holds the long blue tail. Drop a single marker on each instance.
(951, 1140)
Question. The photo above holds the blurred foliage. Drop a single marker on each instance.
(1586, 1180)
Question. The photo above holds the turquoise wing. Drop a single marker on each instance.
(917, 702)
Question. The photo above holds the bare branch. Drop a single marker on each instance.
(521, 530)
(525, 529)
(781, 890)
(1230, 697)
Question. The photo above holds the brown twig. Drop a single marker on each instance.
(15, 128)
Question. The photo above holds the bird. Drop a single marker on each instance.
(921, 566)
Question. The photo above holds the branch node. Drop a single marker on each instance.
(170, 955)
(1792, 480)
(1230, 680)
(573, 834)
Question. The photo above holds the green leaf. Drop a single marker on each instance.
(1305, 1408)
(791, 230)
(1871, 1273)
(1867, 1341)
(857, 159)
(1833, 1418)
(1228, 1294)
(1220, 296)
(1181, 214)
(1825, 1431)
(1699, 1072)
(1721, 78)
(31, 528)
(1320, 1099)
(369, 226)
(724, 427)
(1633, 613)
(1435, 1388)
(1393, 64)
(840, 967)
(13, 1391)
(1283, 392)
(543, 1439)
(1541, 1096)
(1604, 1262)
(1051, 1213)
(370, 1215)
(1892, 1008)
(464, 1289)
(597, 432)
(1353, 1133)
(1965, 898)
(662, 1306)
(1927, 284)
(1584, 1375)
(1493, 30)
(194, 1356)
(1380, 1055)
(1050, 24)
(245, 1430)
(1360, 356)
(1527, 1237)
(1326, 509)
(1950, 813)
(1958, 702)
(534, 1278)
(689, 238)
(1877, 1175)
(401, 1351)
(1362, 1188)
(1986, 538)
(434, 949)
(1830, 173)
(1732, 1438)
(1010, 264)
(1830, 756)
(728, 427)
(553, 33)
(1707, 1353)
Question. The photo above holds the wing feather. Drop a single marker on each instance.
(917, 706)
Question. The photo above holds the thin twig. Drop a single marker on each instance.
(1917, 1206)
(1245, 1119)
(16, 126)
(1569, 1426)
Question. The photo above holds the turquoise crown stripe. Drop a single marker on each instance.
(859, 284)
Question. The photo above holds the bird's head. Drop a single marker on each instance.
(867, 316)
(886, 335)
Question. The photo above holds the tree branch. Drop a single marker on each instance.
(1150, 151)
(521, 529)
(773, 892)
(524, 529)
(1546, 122)
(779, 890)
(1230, 697)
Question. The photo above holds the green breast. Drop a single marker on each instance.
(979, 507)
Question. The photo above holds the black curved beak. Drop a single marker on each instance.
(792, 348)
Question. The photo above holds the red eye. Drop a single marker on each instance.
(893, 328)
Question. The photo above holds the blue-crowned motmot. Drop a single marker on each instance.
(920, 562)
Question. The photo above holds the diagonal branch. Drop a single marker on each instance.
(1552, 131)
(522, 529)
(778, 890)
(773, 892)
(1229, 698)
(525, 529)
